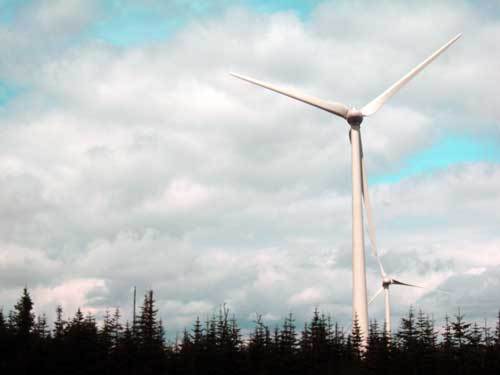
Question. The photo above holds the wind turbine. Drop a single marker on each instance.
(387, 281)
(354, 118)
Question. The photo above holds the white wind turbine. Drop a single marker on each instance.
(387, 281)
(354, 118)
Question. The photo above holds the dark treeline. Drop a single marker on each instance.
(80, 346)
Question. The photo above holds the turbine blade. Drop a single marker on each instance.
(338, 109)
(397, 282)
(376, 295)
(368, 209)
(379, 101)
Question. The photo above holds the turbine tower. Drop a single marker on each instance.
(354, 118)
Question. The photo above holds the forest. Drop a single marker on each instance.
(79, 345)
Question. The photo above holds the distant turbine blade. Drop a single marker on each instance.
(338, 109)
(376, 295)
(397, 282)
(378, 102)
(369, 216)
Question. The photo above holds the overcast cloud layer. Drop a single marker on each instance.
(148, 165)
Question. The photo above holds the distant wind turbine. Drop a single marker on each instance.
(386, 282)
(354, 118)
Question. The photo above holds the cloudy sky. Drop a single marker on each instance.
(128, 155)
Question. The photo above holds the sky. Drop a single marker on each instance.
(129, 156)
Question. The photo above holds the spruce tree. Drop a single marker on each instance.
(447, 343)
(3, 323)
(59, 324)
(356, 340)
(198, 339)
(407, 344)
(487, 337)
(186, 346)
(496, 337)
(426, 343)
(407, 333)
(125, 358)
(41, 328)
(106, 333)
(257, 350)
(24, 319)
(475, 336)
(288, 343)
(234, 335)
(461, 331)
(305, 340)
(150, 337)
(376, 350)
(116, 329)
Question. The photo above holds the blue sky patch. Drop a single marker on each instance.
(301, 7)
(9, 9)
(127, 23)
(442, 154)
(7, 93)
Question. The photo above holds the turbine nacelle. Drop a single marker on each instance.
(354, 117)
(386, 281)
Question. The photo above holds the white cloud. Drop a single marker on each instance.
(151, 166)
(309, 296)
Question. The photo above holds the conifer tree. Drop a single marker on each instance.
(151, 343)
(3, 329)
(461, 330)
(222, 329)
(150, 333)
(376, 356)
(3, 323)
(447, 343)
(257, 338)
(5, 342)
(356, 340)
(426, 335)
(11, 322)
(125, 356)
(59, 324)
(186, 347)
(24, 319)
(288, 342)
(116, 328)
(235, 335)
(197, 335)
(211, 334)
(496, 338)
(338, 342)
(407, 334)
(106, 333)
(305, 340)
(475, 336)
(257, 345)
(318, 334)
(487, 337)
(426, 343)
(41, 328)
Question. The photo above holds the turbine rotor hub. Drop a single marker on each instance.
(386, 281)
(354, 117)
